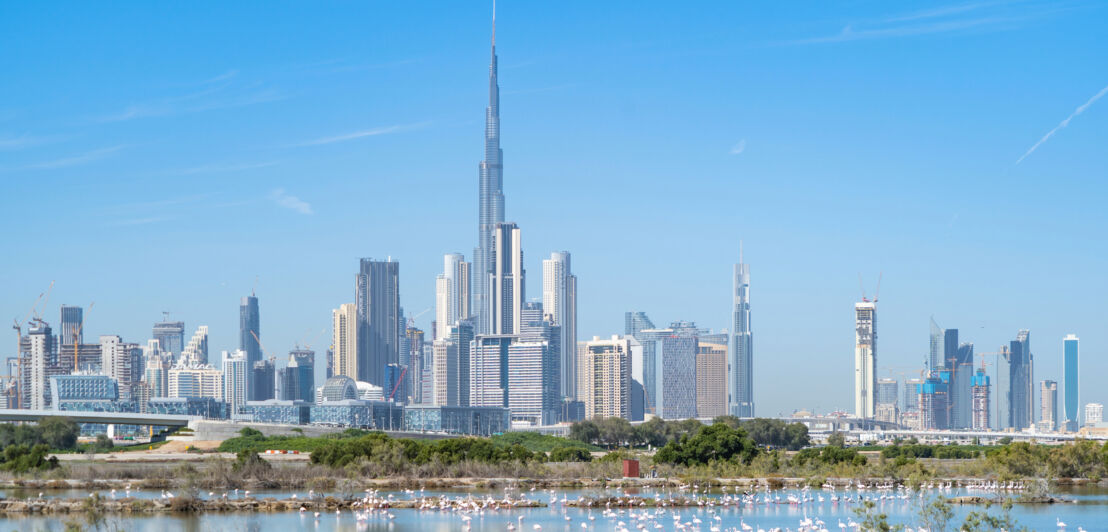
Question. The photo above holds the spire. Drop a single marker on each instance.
(740, 251)
(494, 23)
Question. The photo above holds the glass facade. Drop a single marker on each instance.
(1071, 403)
(356, 413)
(475, 421)
(284, 412)
(206, 407)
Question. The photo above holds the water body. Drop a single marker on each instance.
(1089, 511)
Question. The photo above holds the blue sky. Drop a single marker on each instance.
(164, 157)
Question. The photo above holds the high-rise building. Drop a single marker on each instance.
(462, 334)
(1094, 414)
(1002, 391)
(416, 363)
(299, 377)
(451, 293)
(1022, 392)
(506, 281)
(263, 380)
(490, 200)
(170, 336)
(117, 359)
(1048, 404)
(980, 391)
(886, 409)
(604, 383)
(488, 370)
(636, 321)
(344, 340)
(157, 373)
(377, 298)
(741, 385)
(72, 319)
(250, 335)
(533, 395)
(711, 379)
(42, 350)
(1071, 398)
(865, 359)
(911, 394)
(933, 396)
(559, 299)
(961, 394)
(445, 375)
(195, 352)
(678, 368)
(234, 379)
(935, 360)
(196, 381)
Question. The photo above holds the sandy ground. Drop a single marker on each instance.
(174, 451)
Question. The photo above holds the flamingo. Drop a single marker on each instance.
(1060, 523)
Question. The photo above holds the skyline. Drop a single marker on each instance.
(603, 287)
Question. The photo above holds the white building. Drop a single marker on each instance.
(196, 381)
(41, 351)
(445, 374)
(1094, 414)
(345, 339)
(506, 280)
(559, 300)
(604, 383)
(529, 368)
(451, 294)
(234, 379)
(865, 359)
(196, 352)
(488, 356)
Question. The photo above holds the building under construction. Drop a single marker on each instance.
(980, 392)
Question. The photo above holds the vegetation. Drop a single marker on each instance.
(54, 432)
(829, 455)
(254, 440)
(539, 443)
(377, 447)
(20, 458)
(614, 433)
(931, 451)
(570, 454)
(1081, 459)
(718, 442)
(102, 444)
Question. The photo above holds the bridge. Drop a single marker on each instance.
(107, 418)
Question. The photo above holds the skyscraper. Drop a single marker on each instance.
(886, 409)
(980, 391)
(377, 297)
(711, 379)
(488, 370)
(445, 374)
(1048, 403)
(196, 352)
(1071, 401)
(234, 379)
(635, 321)
(605, 384)
(678, 393)
(263, 380)
(1002, 394)
(741, 385)
(451, 294)
(299, 383)
(865, 359)
(250, 335)
(490, 200)
(559, 300)
(344, 340)
(1022, 391)
(935, 360)
(506, 280)
(71, 329)
(170, 336)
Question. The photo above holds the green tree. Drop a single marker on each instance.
(59, 433)
(103, 443)
(711, 443)
(872, 520)
(836, 439)
(937, 515)
(570, 454)
(584, 431)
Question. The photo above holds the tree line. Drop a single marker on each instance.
(616, 432)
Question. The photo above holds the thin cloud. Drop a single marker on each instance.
(362, 134)
(288, 201)
(220, 92)
(738, 148)
(1064, 123)
(947, 19)
(23, 142)
(75, 160)
(222, 168)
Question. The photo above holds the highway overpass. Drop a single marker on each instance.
(108, 418)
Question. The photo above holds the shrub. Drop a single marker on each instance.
(570, 454)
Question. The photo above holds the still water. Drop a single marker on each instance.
(767, 511)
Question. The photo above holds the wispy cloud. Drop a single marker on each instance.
(9, 143)
(535, 90)
(946, 19)
(288, 201)
(140, 221)
(362, 134)
(75, 160)
(1064, 123)
(219, 92)
(738, 148)
(222, 168)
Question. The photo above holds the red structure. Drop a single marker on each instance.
(631, 468)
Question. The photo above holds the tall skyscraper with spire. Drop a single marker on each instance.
(490, 198)
(742, 344)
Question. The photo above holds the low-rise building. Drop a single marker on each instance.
(473, 420)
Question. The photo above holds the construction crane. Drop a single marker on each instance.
(18, 326)
(863, 288)
(77, 334)
(399, 380)
(411, 319)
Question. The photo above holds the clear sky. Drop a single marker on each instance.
(163, 157)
